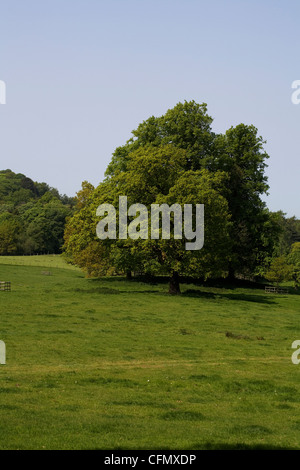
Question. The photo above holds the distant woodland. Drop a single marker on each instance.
(32, 216)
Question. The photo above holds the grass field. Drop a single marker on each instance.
(44, 261)
(116, 364)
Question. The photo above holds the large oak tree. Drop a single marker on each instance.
(178, 158)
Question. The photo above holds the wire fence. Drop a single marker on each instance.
(276, 290)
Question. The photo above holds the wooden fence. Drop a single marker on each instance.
(276, 290)
(5, 286)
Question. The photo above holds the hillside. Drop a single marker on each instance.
(32, 215)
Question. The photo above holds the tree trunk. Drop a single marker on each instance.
(129, 275)
(174, 286)
(231, 274)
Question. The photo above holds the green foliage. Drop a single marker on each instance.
(154, 175)
(81, 245)
(279, 270)
(32, 215)
(239, 153)
(9, 232)
(289, 233)
(294, 260)
(149, 169)
(187, 126)
(243, 158)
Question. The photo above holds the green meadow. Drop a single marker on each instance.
(116, 364)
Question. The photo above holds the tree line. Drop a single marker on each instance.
(32, 216)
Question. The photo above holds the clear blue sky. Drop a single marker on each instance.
(82, 74)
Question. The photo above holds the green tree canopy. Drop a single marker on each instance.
(279, 270)
(155, 175)
(293, 259)
(187, 126)
(177, 158)
(239, 152)
(32, 215)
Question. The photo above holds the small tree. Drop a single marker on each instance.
(294, 260)
(279, 270)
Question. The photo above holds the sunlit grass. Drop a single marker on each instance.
(47, 261)
(114, 364)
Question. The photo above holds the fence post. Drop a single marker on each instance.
(2, 353)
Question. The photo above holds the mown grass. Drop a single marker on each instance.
(116, 364)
